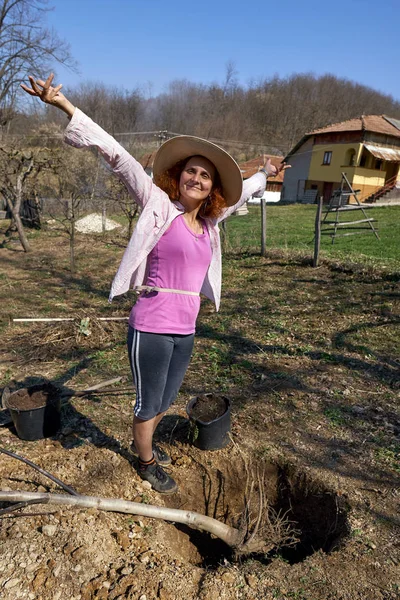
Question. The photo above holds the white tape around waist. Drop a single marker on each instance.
(147, 289)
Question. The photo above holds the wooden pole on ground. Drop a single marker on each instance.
(317, 236)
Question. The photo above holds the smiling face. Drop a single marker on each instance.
(196, 181)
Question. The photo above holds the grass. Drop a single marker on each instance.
(292, 228)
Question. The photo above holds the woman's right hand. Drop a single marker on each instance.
(49, 94)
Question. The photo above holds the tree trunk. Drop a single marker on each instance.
(18, 223)
(71, 218)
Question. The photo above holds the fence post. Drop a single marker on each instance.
(317, 234)
(263, 226)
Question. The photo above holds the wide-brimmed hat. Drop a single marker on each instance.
(184, 146)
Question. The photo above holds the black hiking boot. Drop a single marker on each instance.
(160, 455)
(159, 479)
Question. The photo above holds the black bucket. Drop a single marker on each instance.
(210, 433)
(35, 423)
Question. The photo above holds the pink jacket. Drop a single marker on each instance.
(158, 210)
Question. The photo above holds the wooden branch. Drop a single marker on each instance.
(317, 236)
(229, 535)
(50, 320)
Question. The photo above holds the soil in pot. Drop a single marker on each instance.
(208, 408)
(33, 397)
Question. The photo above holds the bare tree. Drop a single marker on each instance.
(68, 185)
(118, 194)
(19, 171)
(26, 45)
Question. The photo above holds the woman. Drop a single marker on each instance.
(173, 255)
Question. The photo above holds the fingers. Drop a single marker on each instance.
(33, 84)
(49, 80)
(29, 90)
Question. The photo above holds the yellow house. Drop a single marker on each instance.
(366, 149)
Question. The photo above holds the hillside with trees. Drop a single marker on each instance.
(269, 115)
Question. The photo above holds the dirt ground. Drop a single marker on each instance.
(310, 360)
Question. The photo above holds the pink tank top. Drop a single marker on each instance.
(179, 261)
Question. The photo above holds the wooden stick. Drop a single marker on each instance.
(51, 320)
(317, 237)
(100, 385)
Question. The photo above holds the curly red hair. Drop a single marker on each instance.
(212, 206)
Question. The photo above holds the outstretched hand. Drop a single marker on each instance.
(271, 169)
(49, 94)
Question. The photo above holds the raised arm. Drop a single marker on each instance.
(82, 132)
(255, 184)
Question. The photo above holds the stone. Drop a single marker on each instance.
(56, 571)
(251, 581)
(228, 577)
(79, 553)
(77, 568)
(123, 539)
(40, 579)
(11, 583)
(32, 567)
(49, 530)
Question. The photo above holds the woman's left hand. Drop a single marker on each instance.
(271, 169)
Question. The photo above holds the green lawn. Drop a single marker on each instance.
(292, 227)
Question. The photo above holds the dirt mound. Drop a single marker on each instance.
(93, 223)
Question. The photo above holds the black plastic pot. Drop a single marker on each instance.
(210, 435)
(36, 423)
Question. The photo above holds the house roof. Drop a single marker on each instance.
(374, 123)
(250, 167)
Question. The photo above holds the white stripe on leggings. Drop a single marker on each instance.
(135, 364)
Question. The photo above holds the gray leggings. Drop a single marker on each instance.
(159, 362)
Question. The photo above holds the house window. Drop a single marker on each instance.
(378, 163)
(327, 158)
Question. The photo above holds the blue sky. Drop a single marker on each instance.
(149, 43)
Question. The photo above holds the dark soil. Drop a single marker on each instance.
(208, 408)
(33, 397)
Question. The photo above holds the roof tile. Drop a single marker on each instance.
(375, 123)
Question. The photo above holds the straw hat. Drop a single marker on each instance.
(184, 146)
